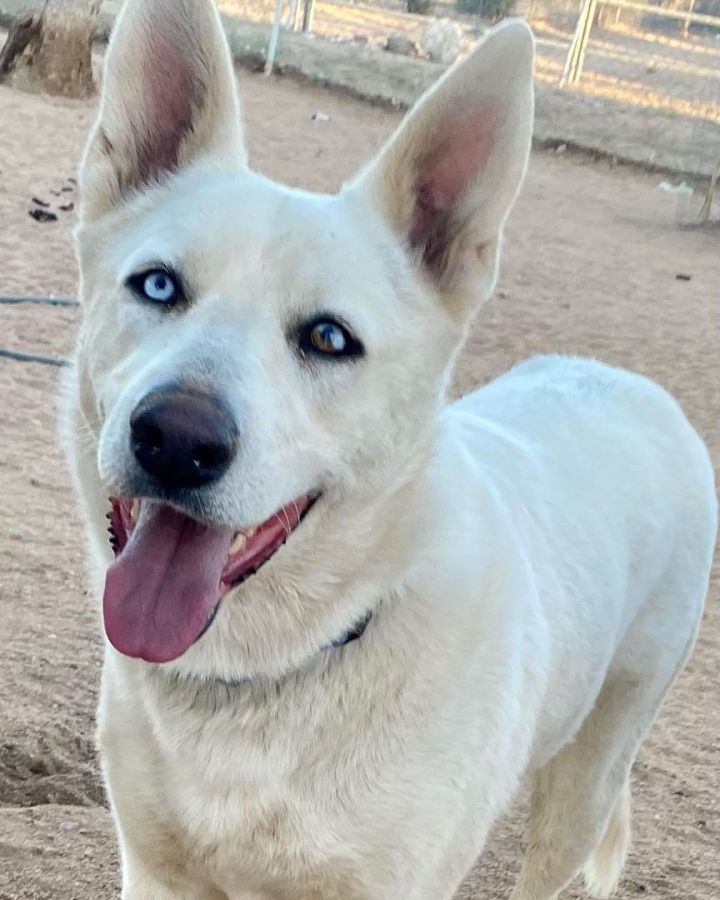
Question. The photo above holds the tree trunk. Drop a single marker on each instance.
(49, 48)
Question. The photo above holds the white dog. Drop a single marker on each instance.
(467, 593)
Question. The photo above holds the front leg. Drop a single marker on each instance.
(141, 881)
(155, 864)
(141, 885)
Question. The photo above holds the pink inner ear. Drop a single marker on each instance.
(174, 93)
(444, 176)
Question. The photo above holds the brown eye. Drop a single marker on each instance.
(326, 337)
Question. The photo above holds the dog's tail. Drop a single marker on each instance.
(605, 864)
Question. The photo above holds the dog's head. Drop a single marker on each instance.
(258, 364)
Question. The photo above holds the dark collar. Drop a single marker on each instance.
(355, 633)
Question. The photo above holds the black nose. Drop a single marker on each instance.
(182, 438)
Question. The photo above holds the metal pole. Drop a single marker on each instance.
(274, 33)
(686, 27)
(568, 72)
(707, 205)
(592, 10)
(309, 14)
(578, 46)
(295, 15)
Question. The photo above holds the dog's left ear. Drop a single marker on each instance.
(169, 98)
(447, 179)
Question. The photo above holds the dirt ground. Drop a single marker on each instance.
(591, 267)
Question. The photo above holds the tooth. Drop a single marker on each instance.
(250, 532)
(135, 510)
(238, 542)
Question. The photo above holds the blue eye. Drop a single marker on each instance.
(160, 287)
(156, 285)
(327, 337)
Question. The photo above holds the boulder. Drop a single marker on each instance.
(441, 41)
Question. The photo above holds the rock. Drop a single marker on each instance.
(398, 43)
(441, 41)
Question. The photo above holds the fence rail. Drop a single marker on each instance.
(575, 60)
(688, 16)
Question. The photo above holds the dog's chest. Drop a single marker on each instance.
(283, 802)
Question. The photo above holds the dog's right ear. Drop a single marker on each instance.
(169, 98)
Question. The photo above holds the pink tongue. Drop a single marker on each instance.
(164, 585)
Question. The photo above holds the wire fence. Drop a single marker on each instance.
(656, 67)
(21, 356)
(588, 15)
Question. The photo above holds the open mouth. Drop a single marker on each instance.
(171, 572)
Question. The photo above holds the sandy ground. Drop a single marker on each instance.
(591, 267)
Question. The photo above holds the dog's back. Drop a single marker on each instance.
(607, 494)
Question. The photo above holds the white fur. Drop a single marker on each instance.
(535, 556)
(605, 864)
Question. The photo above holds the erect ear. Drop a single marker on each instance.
(448, 177)
(169, 98)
